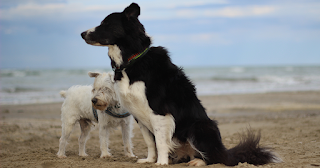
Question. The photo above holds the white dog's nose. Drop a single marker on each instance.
(94, 100)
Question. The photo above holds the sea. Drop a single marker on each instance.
(34, 86)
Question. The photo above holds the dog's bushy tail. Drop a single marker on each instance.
(248, 150)
(63, 93)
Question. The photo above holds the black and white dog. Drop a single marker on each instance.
(163, 100)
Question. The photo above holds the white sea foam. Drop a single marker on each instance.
(43, 86)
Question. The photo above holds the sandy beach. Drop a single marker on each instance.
(289, 123)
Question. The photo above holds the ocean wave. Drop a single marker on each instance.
(19, 73)
(284, 80)
(39, 86)
(30, 97)
(57, 72)
(234, 79)
(20, 89)
(289, 80)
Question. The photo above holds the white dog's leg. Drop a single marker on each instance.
(104, 133)
(66, 131)
(149, 139)
(85, 130)
(126, 128)
(163, 128)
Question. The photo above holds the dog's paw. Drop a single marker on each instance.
(161, 164)
(105, 155)
(146, 160)
(197, 162)
(83, 154)
(131, 155)
(62, 156)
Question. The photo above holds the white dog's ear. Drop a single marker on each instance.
(93, 74)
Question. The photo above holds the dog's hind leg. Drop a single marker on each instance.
(149, 139)
(85, 130)
(205, 139)
(126, 127)
(66, 131)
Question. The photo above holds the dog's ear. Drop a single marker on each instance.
(132, 11)
(93, 74)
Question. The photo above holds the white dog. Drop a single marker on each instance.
(79, 106)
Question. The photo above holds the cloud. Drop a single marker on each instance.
(31, 10)
(229, 12)
(52, 17)
(169, 4)
(55, 11)
(165, 10)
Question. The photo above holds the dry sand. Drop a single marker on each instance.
(289, 123)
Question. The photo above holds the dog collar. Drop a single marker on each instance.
(113, 114)
(110, 112)
(131, 60)
(136, 56)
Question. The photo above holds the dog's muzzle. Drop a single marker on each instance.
(85, 36)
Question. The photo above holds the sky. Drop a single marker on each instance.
(46, 33)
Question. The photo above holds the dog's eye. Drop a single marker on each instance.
(93, 90)
(107, 90)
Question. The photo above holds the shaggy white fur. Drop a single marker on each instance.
(77, 107)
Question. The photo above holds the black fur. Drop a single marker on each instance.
(169, 91)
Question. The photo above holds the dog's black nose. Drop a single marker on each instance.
(83, 34)
(94, 100)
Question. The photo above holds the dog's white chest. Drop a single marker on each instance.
(134, 99)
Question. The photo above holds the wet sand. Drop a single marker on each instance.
(289, 123)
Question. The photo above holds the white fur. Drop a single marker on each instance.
(148, 138)
(133, 98)
(103, 90)
(163, 129)
(77, 107)
(114, 53)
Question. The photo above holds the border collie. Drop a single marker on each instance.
(163, 100)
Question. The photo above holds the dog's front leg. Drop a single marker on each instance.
(163, 128)
(104, 133)
(149, 139)
(126, 127)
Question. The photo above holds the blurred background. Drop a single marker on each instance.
(225, 46)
